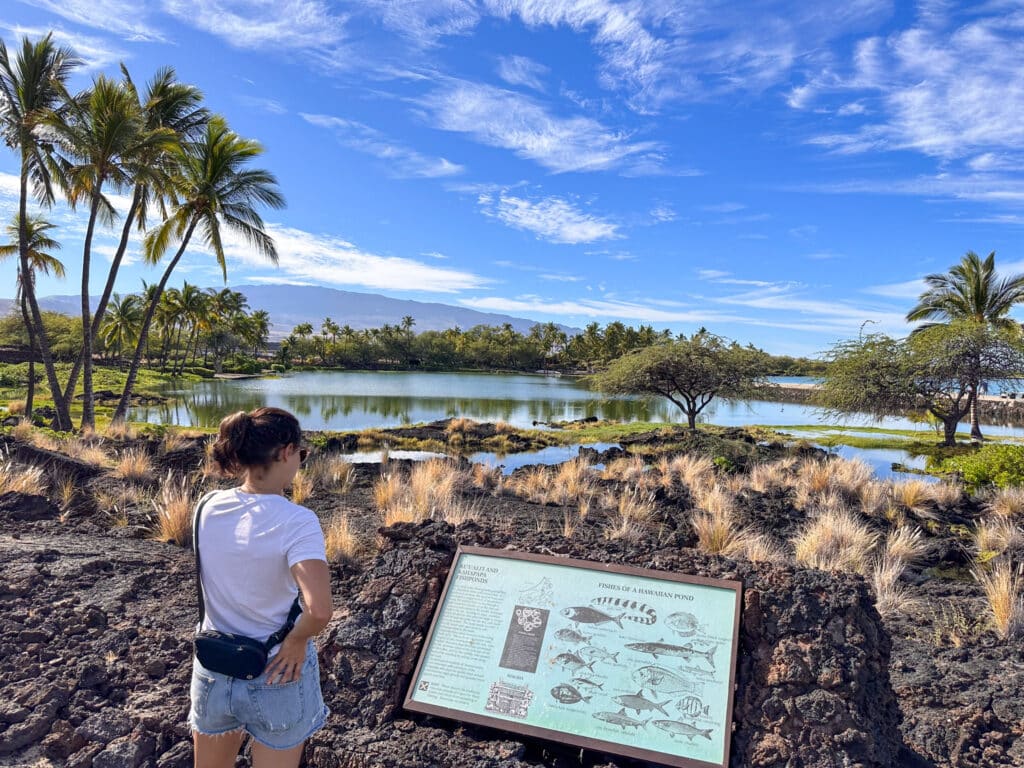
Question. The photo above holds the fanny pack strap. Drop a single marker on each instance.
(293, 614)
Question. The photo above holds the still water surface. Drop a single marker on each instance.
(350, 400)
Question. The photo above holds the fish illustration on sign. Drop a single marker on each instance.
(572, 662)
(683, 624)
(593, 653)
(581, 614)
(566, 694)
(641, 613)
(621, 719)
(660, 679)
(693, 707)
(682, 728)
(639, 703)
(681, 651)
(589, 684)
(568, 635)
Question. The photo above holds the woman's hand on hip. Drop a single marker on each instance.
(286, 666)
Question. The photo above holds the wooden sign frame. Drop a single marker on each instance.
(483, 575)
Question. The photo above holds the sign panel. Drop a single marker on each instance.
(622, 660)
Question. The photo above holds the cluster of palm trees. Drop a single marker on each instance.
(189, 324)
(181, 164)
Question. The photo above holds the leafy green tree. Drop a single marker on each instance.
(213, 186)
(122, 322)
(32, 89)
(690, 372)
(39, 242)
(970, 291)
(930, 371)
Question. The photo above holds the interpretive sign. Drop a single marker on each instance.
(624, 660)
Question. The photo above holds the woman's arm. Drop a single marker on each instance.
(314, 580)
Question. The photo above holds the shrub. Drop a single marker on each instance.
(998, 465)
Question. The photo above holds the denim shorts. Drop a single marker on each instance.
(279, 716)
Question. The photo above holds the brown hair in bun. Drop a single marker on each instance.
(252, 439)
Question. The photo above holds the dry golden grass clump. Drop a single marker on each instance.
(571, 483)
(173, 441)
(947, 494)
(430, 492)
(23, 431)
(1002, 587)
(460, 426)
(905, 544)
(839, 477)
(332, 472)
(16, 407)
(485, 478)
(631, 517)
(88, 451)
(835, 541)
(340, 539)
(891, 595)
(994, 535)
(133, 464)
(533, 485)
(771, 476)
(16, 478)
(1006, 502)
(174, 506)
(626, 469)
(716, 531)
(757, 548)
(694, 471)
(915, 496)
(303, 486)
(873, 498)
(121, 430)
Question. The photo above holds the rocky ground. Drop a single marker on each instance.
(95, 620)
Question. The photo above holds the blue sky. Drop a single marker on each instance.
(781, 173)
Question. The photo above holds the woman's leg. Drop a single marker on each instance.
(217, 751)
(265, 757)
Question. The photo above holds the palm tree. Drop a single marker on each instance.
(970, 291)
(31, 88)
(260, 330)
(167, 104)
(121, 324)
(102, 138)
(39, 261)
(212, 187)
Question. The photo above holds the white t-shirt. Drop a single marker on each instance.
(248, 543)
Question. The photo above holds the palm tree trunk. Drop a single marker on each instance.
(88, 412)
(101, 308)
(975, 423)
(121, 414)
(60, 404)
(31, 390)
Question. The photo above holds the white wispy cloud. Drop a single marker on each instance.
(552, 218)
(271, 106)
(303, 25)
(946, 86)
(509, 120)
(125, 18)
(95, 53)
(663, 213)
(402, 160)
(909, 289)
(521, 70)
(325, 259)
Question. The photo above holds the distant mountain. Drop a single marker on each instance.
(290, 305)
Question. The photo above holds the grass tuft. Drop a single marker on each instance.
(835, 541)
(133, 464)
(1006, 502)
(174, 507)
(340, 539)
(1002, 587)
(15, 478)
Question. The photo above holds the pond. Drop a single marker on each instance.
(353, 400)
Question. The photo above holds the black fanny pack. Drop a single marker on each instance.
(227, 654)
